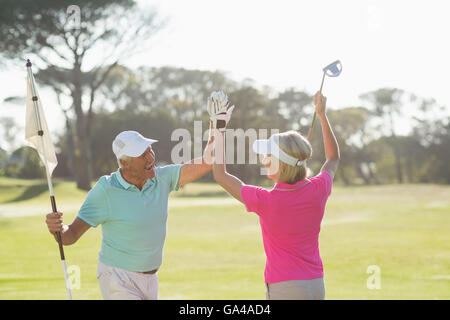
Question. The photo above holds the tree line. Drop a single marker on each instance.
(157, 101)
(82, 61)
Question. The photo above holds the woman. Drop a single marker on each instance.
(291, 212)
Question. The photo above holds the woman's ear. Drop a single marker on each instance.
(266, 160)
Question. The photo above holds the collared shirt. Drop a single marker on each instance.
(133, 221)
(290, 216)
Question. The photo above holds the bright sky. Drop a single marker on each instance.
(282, 43)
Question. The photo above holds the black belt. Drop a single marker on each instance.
(149, 272)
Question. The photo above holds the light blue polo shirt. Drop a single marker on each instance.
(133, 222)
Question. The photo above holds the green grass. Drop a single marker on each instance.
(214, 248)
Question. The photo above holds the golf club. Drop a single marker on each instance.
(334, 69)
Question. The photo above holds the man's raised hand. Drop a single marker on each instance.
(219, 110)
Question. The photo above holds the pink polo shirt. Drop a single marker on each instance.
(290, 217)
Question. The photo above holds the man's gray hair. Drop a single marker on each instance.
(124, 158)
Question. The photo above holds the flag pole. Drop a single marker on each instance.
(49, 180)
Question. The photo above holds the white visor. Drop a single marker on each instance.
(270, 146)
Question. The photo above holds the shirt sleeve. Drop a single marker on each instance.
(94, 210)
(324, 182)
(254, 198)
(170, 175)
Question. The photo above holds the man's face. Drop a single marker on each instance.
(142, 166)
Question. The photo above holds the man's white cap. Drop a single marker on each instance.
(270, 146)
(130, 143)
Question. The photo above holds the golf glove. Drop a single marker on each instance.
(219, 110)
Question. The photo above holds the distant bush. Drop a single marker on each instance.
(24, 163)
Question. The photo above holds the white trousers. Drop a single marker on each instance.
(313, 289)
(120, 284)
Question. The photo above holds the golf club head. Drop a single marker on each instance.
(333, 69)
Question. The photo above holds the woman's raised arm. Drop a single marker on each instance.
(229, 182)
(332, 154)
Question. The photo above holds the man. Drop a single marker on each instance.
(131, 205)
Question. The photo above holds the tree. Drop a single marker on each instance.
(75, 59)
(349, 126)
(10, 132)
(153, 101)
(181, 95)
(387, 105)
(293, 106)
(157, 125)
(434, 139)
(3, 161)
(439, 152)
(24, 163)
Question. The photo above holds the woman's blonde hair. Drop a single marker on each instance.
(297, 146)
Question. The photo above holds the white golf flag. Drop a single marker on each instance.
(43, 144)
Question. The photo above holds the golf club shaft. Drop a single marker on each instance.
(314, 115)
(321, 85)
